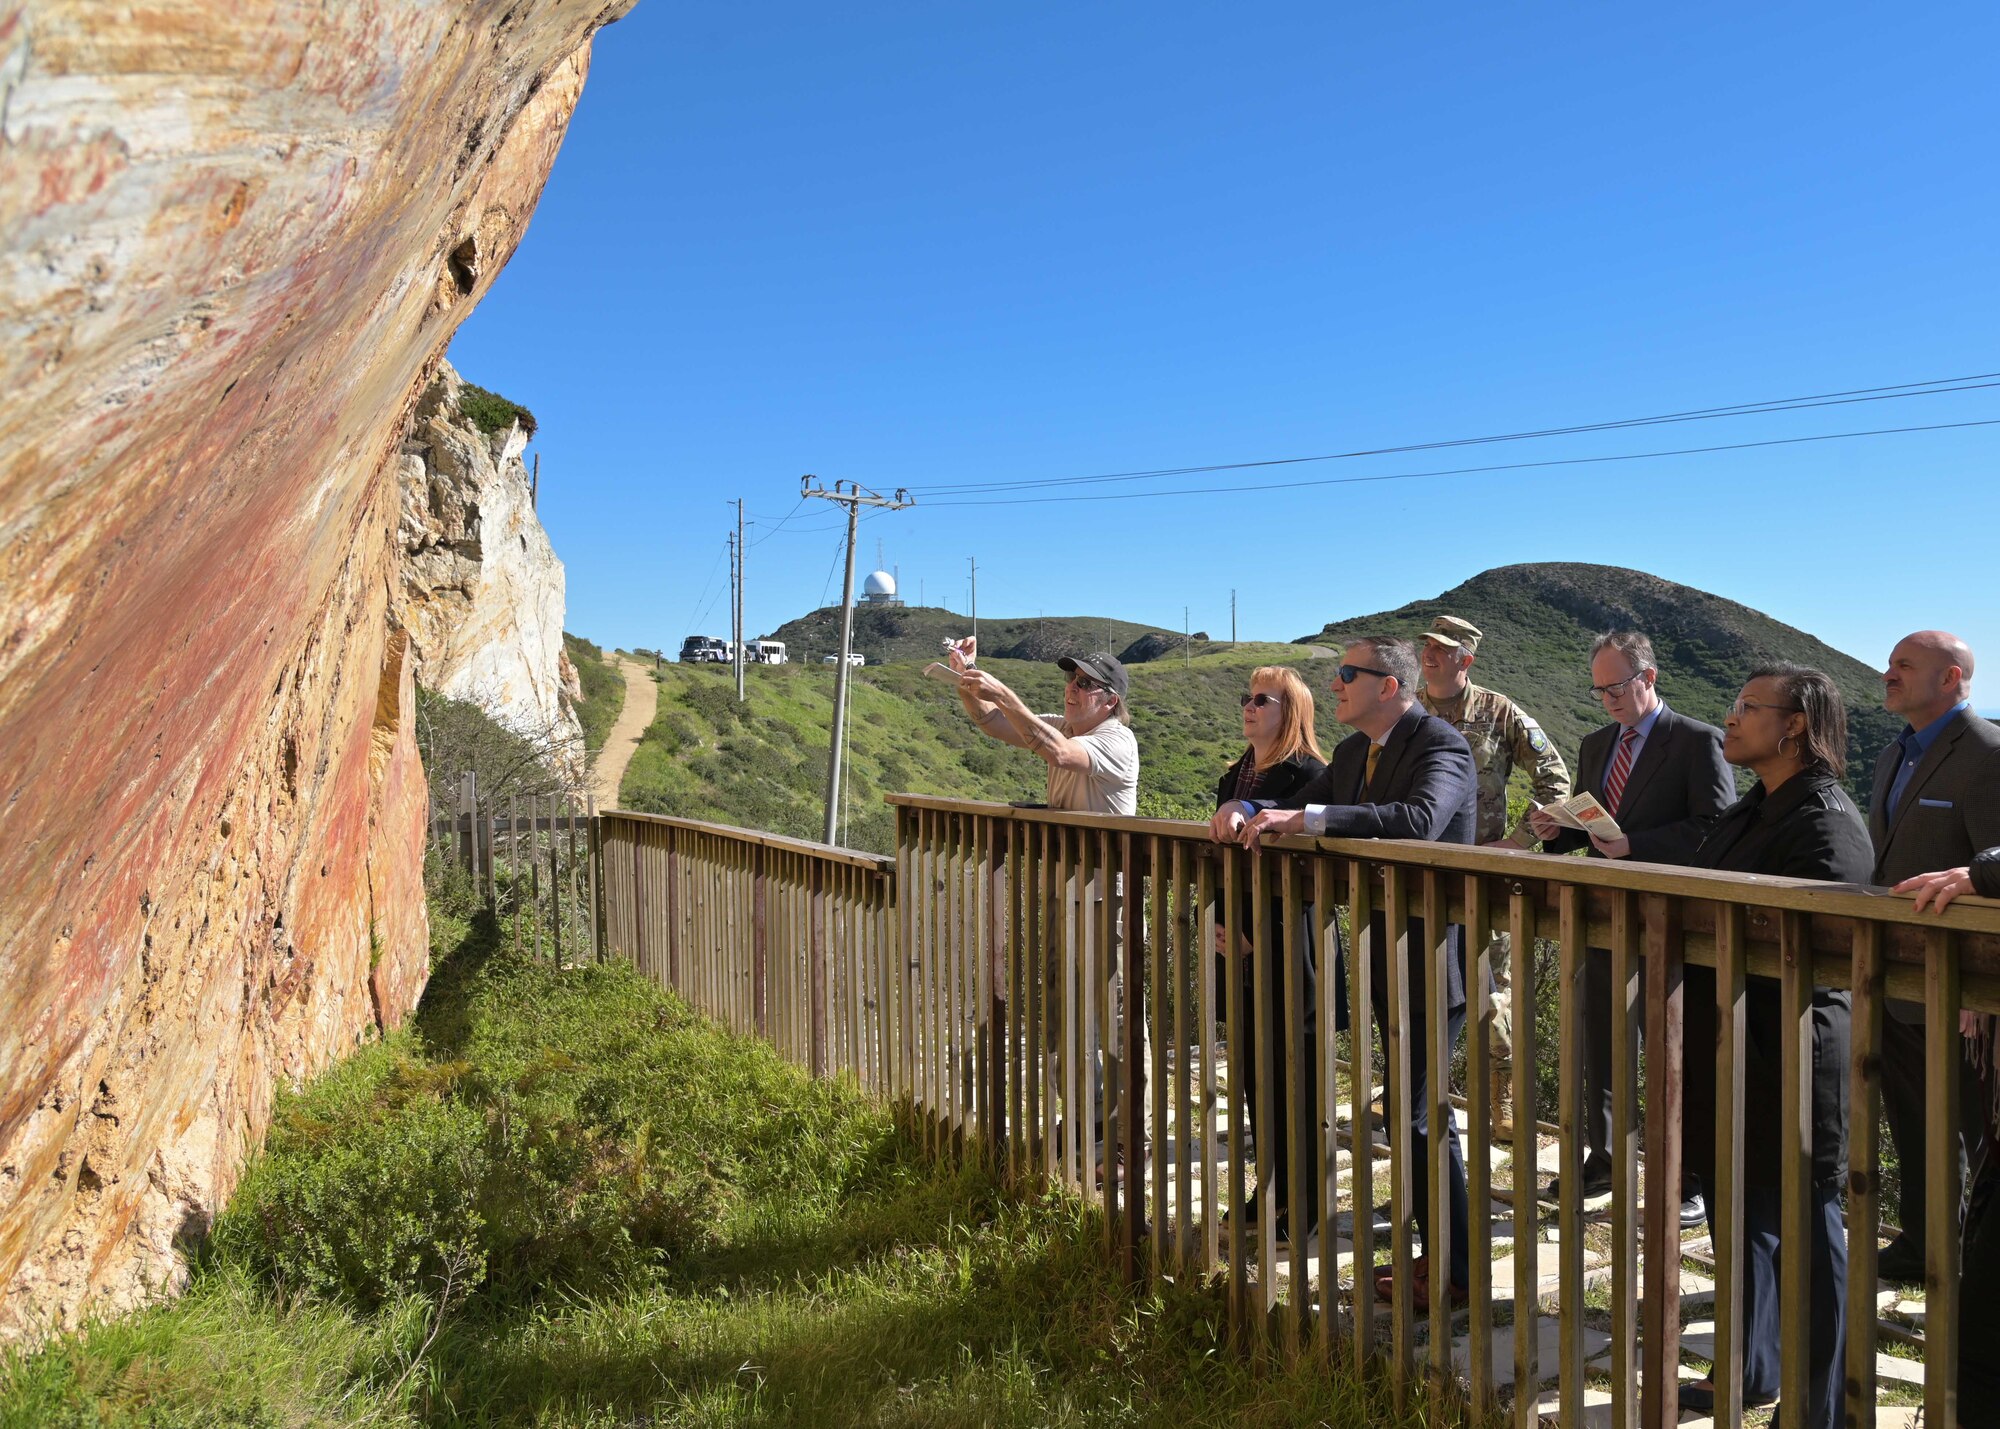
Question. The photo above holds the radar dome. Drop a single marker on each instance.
(878, 585)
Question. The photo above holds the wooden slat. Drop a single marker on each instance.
(1527, 1216)
(1941, 1115)
(1569, 1118)
(1185, 1007)
(1292, 949)
(1438, 1114)
(1479, 1162)
(1327, 1155)
(1160, 978)
(1727, 1192)
(1131, 1033)
(1396, 1115)
(1624, 1161)
(1205, 1019)
(1361, 1089)
(1795, 1161)
(1263, 1046)
(1664, 1101)
(1233, 1192)
(1864, 1100)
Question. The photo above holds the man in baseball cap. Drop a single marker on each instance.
(1093, 762)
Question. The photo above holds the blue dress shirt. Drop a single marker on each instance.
(1916, 744)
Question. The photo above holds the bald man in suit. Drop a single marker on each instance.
(1935, 804)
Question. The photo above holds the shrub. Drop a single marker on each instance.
(490, 412)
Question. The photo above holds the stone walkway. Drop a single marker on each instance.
(642, 697)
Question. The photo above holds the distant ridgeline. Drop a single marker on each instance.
(1538, 622)
(764, 764)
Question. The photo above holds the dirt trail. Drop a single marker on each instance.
(642, 698)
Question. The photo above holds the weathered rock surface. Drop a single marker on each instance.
(234, 241)
(483, 590)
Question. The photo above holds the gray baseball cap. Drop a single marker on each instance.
(1101, 668)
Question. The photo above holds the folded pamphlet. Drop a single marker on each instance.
(1578, 811)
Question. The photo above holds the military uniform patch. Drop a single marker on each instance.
(1537, 741)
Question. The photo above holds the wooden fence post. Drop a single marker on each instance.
(816, 970)
(758, 947)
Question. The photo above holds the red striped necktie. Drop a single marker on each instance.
(1621, 770)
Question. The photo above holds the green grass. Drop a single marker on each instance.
(833, 1276)
(603, 690)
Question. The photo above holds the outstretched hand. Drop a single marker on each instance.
(963, 653)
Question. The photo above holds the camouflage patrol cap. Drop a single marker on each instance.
(1458, 634)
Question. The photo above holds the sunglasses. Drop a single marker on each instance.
(1084, 684)
(1262, 700)
(1346, 673)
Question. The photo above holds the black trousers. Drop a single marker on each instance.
(1419, 1091)
(1295, 1122)
(1598, 995)
(1978, 1309)
(1903, 1083)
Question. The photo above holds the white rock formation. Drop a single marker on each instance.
(483, 588)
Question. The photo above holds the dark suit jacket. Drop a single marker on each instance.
(1950, 809)
(1424, 788)
(1674, 794)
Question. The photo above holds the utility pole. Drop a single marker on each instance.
(975, 600)
(854, 497)
(739, 600)
(1187, 639)
(1232, 617)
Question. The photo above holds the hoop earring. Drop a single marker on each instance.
(1781, 744)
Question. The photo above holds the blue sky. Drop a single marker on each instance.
(919, 246)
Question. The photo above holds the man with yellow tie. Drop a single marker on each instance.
(1405, 774)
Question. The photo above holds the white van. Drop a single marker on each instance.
(853, 658)
(768, 652)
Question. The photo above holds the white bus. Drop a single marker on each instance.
(768, 652)
(706, 650)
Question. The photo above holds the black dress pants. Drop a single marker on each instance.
(1296, 1122)
(1903, 1082)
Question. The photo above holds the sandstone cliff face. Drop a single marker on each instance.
(482, 588)
(234, 241)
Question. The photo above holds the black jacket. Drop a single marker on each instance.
(1280, 781)
(1986, 873)
(1677, 787)
(1424, 788)
(1809, 828)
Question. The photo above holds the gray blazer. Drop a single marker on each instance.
(1673, 796)
(1949, 812)
(1951, 809)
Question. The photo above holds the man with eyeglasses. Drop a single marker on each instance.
(1662, 776)
(1406, 774)
(1093, 761)
(1503, 737)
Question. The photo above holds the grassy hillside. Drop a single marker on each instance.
(764, 765)
(913, 632)
(1539, 621)
(603, 690)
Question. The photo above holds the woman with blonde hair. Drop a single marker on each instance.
(1282, 756)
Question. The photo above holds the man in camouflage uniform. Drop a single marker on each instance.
(1502, 735)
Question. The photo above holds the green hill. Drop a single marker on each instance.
(886, 633)
(764, 764)
(1538, 622)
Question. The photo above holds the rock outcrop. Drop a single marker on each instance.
(482, 587)
(234, 242)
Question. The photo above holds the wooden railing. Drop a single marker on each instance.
(787, 940)
(963, 981)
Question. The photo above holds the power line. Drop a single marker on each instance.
(1467, 470)
(704, 591)
(1941, 386)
